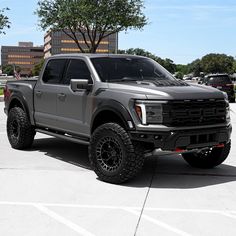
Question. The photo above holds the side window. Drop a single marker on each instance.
(77, 69)
(54, 71)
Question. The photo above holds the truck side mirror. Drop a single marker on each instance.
(80, 84)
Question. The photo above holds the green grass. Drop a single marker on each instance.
(1, 91)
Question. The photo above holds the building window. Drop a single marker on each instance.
(70, 49)
(83, 42)
(20, 63)
(18, 56)
(78, 50)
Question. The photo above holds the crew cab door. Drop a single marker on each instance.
(72, 105)
(45, 94)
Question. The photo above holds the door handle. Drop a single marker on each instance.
(61, 96)
(38, 93)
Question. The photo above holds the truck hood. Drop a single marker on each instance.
(168, 92)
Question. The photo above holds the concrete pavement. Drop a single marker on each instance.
(50, 190)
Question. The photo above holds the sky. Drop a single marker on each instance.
(182, 30)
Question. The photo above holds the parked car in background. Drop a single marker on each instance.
(193, 80)
(233, 77)
(187, 77)
(222, 82)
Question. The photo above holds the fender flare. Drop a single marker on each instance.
(22, 101)
(116, 108)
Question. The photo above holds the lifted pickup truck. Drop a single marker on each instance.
(122, 106)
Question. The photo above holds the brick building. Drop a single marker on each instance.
(25, 55)
(57, 42)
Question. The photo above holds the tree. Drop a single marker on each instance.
(234, 66)
(93, 20)
(9, 69)
(4, 21)
(179, 75)
(182, 69)
(169, 65)
(37, 68)
(217, 63)
(139, 52)
(195, 67)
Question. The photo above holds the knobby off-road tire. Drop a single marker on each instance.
(208, 159)
(19, 130)
(113, 156)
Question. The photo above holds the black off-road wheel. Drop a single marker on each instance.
(209, 158)
(19, 130)
(113, 156)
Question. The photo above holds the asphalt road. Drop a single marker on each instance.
(50, 190)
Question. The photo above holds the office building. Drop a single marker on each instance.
(25, 55)
(57, 42)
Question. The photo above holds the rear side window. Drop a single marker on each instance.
(77, 69)
(54, 71)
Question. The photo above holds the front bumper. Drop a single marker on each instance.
(184, 139)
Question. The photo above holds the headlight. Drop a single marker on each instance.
(149, 113)
(226, 96)
(228, 113)
(227, 107)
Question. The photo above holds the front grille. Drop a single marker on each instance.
(194, 112)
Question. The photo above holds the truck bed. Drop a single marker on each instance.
(24, 91)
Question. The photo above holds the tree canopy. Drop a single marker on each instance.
(94, 20)
(210, 63)
(217, 63)
(234, 66)
(9, 69)
(195, 67)
(37, 68)
(4, 21)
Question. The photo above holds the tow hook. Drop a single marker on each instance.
(179, 150)
(221, 145)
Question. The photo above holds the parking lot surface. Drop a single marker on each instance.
(50, 190)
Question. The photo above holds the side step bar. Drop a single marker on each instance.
(65, 137)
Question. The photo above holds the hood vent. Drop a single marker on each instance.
(164, 83)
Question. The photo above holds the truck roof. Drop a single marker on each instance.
(88, 55)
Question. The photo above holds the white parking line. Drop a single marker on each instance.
(68, 205)
(231, 215)
(184, 210)
(118, 207)
(133, 210)
(63, 220)
(159, 223)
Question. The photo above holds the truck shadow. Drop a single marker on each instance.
(62, 150)
(167, 171)
(173, 172)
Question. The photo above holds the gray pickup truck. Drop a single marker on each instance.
(123, 107)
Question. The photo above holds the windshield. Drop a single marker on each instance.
(129, 69)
